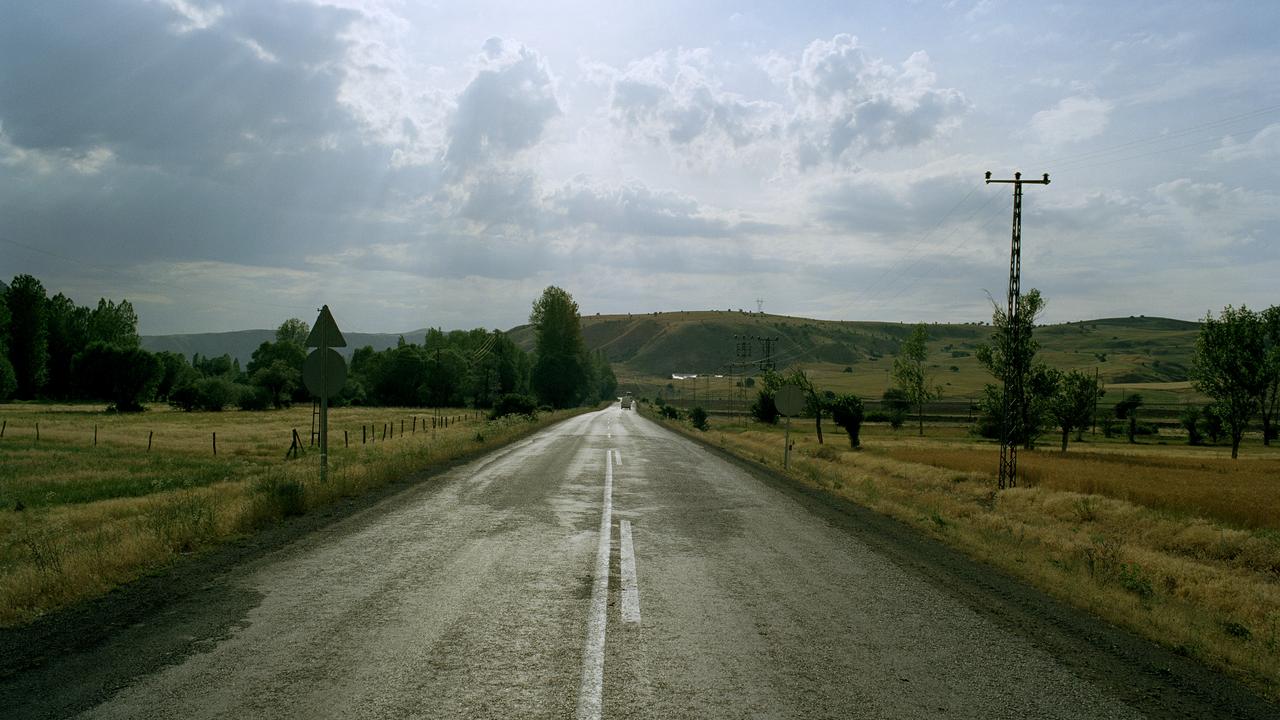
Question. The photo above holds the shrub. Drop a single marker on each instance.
(698, 417)
(513, 404)
(253, 398)
(211, 394)
(764, 409)
(668, 411)
(277, 497)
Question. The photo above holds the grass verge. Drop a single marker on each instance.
(94, 517)
(1093, 529)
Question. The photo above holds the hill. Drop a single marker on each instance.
(1124, 350)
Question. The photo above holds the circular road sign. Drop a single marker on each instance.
(789, 400)
(324, 372)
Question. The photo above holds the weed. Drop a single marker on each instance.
(1135, 580)
(938, 520)
(1236, 630)
(1102, 557)
(1085, 509)
(44, 551)
(275, 496)
(183, 522)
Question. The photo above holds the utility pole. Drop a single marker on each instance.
(1015, 375)
(760, 305)
(767, 343)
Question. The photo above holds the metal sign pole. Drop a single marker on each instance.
(786, 452)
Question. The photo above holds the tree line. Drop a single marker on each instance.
(52, 349)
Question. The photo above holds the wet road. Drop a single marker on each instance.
(602, 568)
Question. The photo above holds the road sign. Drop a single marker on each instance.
(325, 332)
(789, 400)
(324, 372)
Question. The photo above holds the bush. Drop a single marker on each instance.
(513, 404)
(667, 411)
(764, 409)
(698, 417)
(277, 497)
(253, 398)
(211, 394)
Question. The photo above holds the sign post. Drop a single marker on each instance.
(790, 402)
(324, 373)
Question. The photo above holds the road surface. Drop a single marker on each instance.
(603, 568)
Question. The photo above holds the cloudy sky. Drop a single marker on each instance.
(227, 165)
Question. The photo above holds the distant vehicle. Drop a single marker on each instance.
(625, 401)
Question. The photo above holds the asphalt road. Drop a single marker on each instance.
(492, 592)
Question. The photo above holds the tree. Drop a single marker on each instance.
(812, 401)
(68, 333)
(277, 368)
(698, 418)
(1010, 356)
(764, 409)
(896, 405)
(560, 371)
(1127, 409)
(847, 412)
(114, 324)
(174, 373)
(910, 375)
(125, 377)
(1072, 406)
(293, 331)
(1229, 365)
(28, 335)
(1269, 395)
(1190, 419)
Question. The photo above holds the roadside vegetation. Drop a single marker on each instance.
(1178, 544)
(1152, 528)
(79, 519)
(191, 453)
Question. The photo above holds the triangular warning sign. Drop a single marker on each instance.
(325, 333)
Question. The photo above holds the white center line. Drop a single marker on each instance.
(590, 692)
(630, 589)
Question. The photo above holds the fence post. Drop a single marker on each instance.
(215, 444)
(150, 433)
(2, 427)
(364, 437)
(37, 431)
(344, 439)
(95, 434)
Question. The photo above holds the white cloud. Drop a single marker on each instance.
(1265, 144)
(847, 102)
(841, 103)
(1073, 119)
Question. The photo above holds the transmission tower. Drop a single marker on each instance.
(1015, 401)
(760, 305)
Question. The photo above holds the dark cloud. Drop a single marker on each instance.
(127, 76)
(505, 107)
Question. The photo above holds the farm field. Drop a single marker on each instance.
(1179, 544)
(77, 519)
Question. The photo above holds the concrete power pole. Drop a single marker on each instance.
(1015, 375)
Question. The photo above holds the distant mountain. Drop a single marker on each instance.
(1126, 350)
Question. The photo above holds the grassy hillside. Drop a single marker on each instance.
(1150, 354)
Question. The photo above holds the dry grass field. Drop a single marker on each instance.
(1179, 544)
(77, 519)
